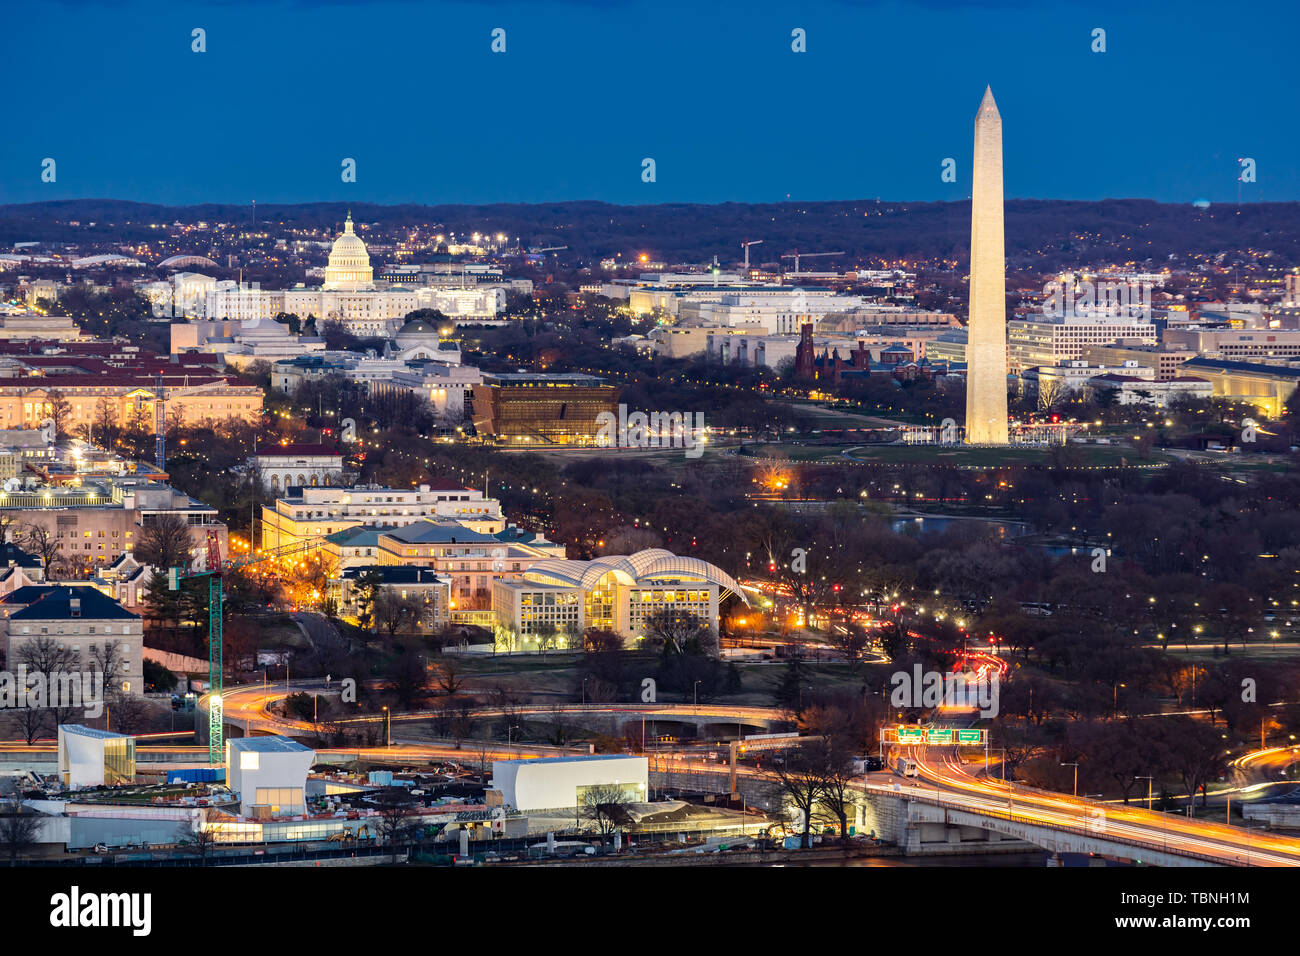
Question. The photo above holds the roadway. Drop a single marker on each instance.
(952, 784)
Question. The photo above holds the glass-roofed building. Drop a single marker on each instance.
(555, 601)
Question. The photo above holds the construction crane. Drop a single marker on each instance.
(216, 608)
(159, 424)
(214, 570)
(797, 255)
(752, 242)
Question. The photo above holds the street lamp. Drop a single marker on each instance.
(584, 691)
(696, 693)
(1148, 780)
(1075, 765)
(1005, 782)
(388, 733)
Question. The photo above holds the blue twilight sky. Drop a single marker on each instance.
(585, 90)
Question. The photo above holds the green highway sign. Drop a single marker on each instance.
(911, 735)
(970, 736)
(938, 735)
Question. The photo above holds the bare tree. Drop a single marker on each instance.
(130, 714)
(605, 806)
(20, 829)
(200, 842)
(448, 675)
(29, 722)
(680, 632)
(838, 799)
(59, 411)
(398, 825)
(165, 542)
(394, 612)
(47, 656)
(800, 782)
(107, 658)
(39, 541)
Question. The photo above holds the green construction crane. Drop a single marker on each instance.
(216, 612)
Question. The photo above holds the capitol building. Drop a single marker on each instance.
(348, 296)
(349, 266)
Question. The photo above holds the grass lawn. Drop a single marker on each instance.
(1087, 456)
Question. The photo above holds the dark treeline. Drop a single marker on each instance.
(1046, 232)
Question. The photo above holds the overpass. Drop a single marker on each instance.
(246, 706)
(932, 822)
(951, 794)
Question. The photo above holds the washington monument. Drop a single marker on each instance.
(986, 343)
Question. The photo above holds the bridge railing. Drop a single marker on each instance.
(1012, 817)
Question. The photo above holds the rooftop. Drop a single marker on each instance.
(300, 450)
(266, 745)
(55, 603)
(83, 731)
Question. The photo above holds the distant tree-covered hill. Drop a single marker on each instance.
(1038, 232)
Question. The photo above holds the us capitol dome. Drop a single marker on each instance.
(349, 264)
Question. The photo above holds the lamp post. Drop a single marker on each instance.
(1148, 780)
(696, 694)
(1005, 781)
(584, 691)
(388, 733)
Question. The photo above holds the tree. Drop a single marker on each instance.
(107, 658)
(103, 429)
(407, 679)
(48, 656)
(789, 688)
(838, 799)
(157, 677)
(200, 842)
(162, 604)
(129, 713)
(31, 723)
(165, 542)
(60, 412)
(367, 588)
(394, 612)
(38, 540)
(604, 805)
(1196, 753)
(20, 828)
(799, 782)
(680, 632)
(398, 825)
(448, 675)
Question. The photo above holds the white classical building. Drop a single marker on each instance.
(301, 464)
(445, 387)
(349, 263)
(313, 513)
(562, 783)
(93, 626)
(348, 295)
